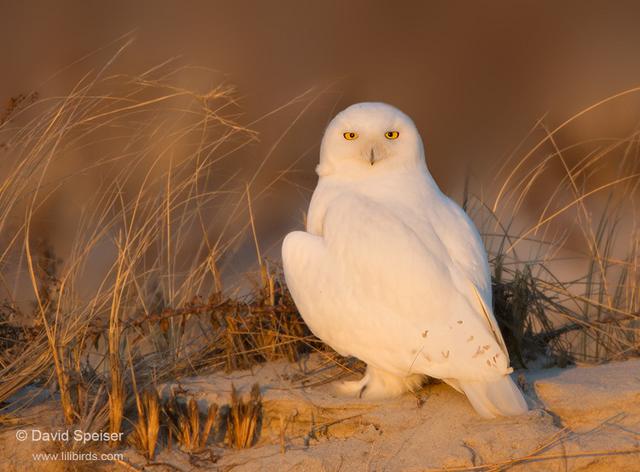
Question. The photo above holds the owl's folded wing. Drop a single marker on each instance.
(464, 245)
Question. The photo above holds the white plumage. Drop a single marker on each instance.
(392, 271)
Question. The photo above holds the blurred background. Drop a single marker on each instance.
(153, 154)
(475, 76)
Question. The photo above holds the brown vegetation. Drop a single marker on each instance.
(164, 222)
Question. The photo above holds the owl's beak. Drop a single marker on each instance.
(372, 157)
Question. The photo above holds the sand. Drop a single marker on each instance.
(581, 419)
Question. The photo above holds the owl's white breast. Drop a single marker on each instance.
(406, 194)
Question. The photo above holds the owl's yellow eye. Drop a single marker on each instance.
(350, 135)
(391, 135)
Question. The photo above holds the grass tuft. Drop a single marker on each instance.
(244, 419)
(144, 436)
(184, 423)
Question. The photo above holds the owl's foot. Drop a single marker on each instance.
(353, 388)
(378, 384)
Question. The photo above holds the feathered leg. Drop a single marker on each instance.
(378, 384)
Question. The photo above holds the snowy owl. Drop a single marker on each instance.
(393, 272)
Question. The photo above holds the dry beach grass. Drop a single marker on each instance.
(140, 296)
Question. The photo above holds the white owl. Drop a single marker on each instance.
(393, 272)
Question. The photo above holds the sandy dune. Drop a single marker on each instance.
(580, 413)
(581, 418)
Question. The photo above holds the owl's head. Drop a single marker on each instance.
(368, 138)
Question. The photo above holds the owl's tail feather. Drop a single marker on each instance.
(492, 398)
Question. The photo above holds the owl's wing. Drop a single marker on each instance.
(369, 286)
(464, 245)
